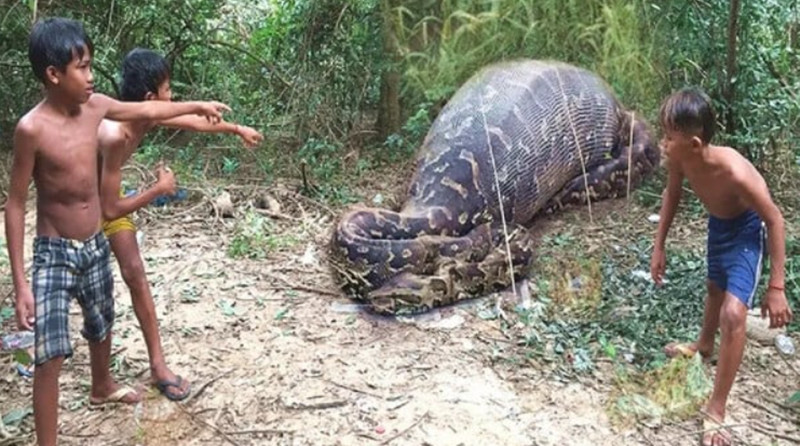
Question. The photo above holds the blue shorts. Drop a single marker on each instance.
(736, 247)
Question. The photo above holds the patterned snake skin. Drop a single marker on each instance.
(521, 126)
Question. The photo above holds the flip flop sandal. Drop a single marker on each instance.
(25, 371)
(115, 398)
(163, 384)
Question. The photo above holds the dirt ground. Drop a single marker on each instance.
(277, 357)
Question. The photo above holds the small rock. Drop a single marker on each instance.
(309, 257)
(576, 284)
(268, 202)
(347, 307)
(448, 323)
(784, 344)
(223, 205)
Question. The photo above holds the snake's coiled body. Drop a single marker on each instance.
(545, 133)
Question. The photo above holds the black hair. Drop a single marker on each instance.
(690, 110)
(55, 41)
(143, 71)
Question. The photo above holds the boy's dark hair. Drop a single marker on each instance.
(55, 41)
(143, 71)
(689, 110)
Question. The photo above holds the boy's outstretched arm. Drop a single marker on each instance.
(112, 204)
(755, 192)
(669, 205)
(156, 110)
(21, 173)
(250, 136)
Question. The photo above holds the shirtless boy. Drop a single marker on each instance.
(739, 206)
(55, 143)
(145, 76)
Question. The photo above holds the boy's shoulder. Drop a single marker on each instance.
(739, 169)
(28, 125)
(97, 101)
(732, 159)
(112, 133)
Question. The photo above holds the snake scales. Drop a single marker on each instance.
(544, 133)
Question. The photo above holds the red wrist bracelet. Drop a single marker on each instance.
(775, 287)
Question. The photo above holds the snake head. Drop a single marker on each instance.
(410, 293)
(636, 136)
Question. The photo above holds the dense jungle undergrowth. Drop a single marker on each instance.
(344, 91)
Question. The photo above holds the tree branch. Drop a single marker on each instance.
(108, 76)
(244, 51)
(776, 74)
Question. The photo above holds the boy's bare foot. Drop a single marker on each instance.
(172, 386)
(686, 350)
(714, 432)
(675, 349)
(114, 394)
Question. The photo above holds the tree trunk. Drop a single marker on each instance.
(389, 119)
(730, 67)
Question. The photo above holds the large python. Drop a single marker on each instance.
(517, 139)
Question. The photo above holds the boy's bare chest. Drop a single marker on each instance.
(716, 192)
(67, 155)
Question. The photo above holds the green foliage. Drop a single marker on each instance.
(254, 238)
(404, 144)
(445, 44)
(325, 163)
(613, 310)
(641, 317)
(675, 391)
(765, 104)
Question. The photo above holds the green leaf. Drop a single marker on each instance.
(22, 357)
(227, 307)
(794, 399)
(282, 313)
(16, 416)
(698, 384)
(639, 405)
(6, 313)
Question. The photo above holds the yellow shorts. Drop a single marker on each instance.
(123, 223)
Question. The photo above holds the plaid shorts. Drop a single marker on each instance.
(63, 268)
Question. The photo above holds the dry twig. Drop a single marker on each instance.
(773, 434)
(202, 388)
(768, 410)
(404, 431)
(198, 420)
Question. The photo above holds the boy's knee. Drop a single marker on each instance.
(49, 367)
(132, 271)
(733, 315)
